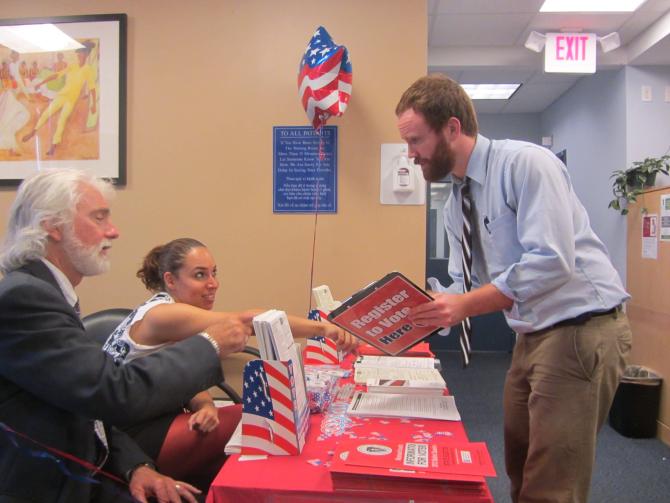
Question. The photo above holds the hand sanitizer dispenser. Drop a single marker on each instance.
(403, 176)
(400, 180)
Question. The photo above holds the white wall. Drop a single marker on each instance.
(648, 122)
(604, 126)
(511, 126)
(590, 122)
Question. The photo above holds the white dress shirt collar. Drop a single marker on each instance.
(64, 283)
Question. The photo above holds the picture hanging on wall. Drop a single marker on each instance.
(63, 96)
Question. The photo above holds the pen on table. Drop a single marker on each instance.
(357, 401)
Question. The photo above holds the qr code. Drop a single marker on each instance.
(466, 457)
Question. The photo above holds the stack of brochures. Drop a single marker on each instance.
(406, 386)
(275, 343)
(436, 460)
(274, 336)
(401, 387)
(403, 405)
(395, 368)
(275, 409)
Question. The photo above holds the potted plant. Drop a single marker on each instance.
(629, 183)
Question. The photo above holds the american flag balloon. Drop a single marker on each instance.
(268, 409)
(324, 79)
(320, 350)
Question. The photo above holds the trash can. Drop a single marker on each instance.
(636, 402)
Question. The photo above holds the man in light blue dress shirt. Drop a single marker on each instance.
(536, 258)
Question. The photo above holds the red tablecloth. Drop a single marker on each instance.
(306, 477)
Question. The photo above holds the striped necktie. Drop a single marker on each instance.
(466, 247)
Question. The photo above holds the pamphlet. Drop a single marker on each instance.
(273, 333)
(363, 374)
(397, 362)
(276, 344)
(378, 314)
(404, 405)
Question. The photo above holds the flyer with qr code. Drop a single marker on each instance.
(434, 460)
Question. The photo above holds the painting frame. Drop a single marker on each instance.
(109, 32)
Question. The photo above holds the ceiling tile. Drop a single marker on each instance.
(481, 41)
(476, 30)
(489, 106)
(488, 7)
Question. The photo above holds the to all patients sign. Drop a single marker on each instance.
(304, 181)
(570, 53)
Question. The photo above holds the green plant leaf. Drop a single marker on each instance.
(629, 183)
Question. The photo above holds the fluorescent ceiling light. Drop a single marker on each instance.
(590, 5)
(490, 91)
(30, 38)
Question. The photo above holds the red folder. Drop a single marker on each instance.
(466, 462)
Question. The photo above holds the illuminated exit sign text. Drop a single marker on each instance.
(570, 53)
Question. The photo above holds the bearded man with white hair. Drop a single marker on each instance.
(60, 394)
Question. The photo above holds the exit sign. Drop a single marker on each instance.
(570, 53)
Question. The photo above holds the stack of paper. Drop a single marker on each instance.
(274, 335)
(395, 368)
(404, 405)
(410, 362)
(406, 386)
(275, 342)
(453, 461)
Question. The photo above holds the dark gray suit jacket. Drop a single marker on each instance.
(54, 381)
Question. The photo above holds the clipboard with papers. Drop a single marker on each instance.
(378, 314)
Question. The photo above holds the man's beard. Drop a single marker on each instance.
(87, 260)
(440, 164)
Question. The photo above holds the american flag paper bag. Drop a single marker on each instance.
(318, 315)
(271, 421)
(319, 351)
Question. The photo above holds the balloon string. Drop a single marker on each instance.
(322, 156)
(322, 153)
(57, 456)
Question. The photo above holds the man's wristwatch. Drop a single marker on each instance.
(129, 473)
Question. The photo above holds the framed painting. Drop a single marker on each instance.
(63, 96)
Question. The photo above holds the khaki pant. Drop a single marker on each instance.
(558, 392)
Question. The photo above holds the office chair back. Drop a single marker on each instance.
(233, 366)
(101, 324)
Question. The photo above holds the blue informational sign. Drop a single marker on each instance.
(299, 172)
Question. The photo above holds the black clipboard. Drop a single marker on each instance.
(377, 314)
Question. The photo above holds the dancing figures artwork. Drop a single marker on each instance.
(62, 102)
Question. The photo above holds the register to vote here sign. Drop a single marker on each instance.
(378, 314)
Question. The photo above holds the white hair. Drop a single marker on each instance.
(49, 197)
